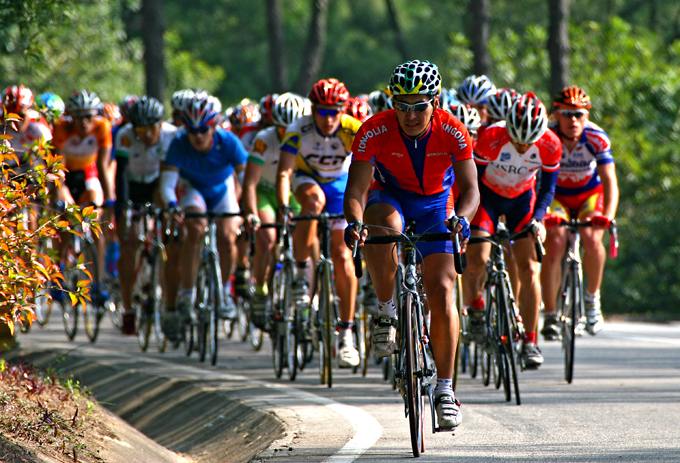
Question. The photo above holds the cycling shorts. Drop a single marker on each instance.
(334, 192)
(577, 206)
(188, 196)
(80, 181)
(430, 213)
(517, 210)
(266, 201)
(140, 193)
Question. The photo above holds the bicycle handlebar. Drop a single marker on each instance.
(499, 238)
(613, 233)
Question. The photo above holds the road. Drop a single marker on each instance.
(623, 405)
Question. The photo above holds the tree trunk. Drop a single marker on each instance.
(558, 45)
(400, 41)
(154, 53)
(479, 36)
(278, 65)
(314, 49)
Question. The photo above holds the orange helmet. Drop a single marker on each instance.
(112, 113)
(572, 98)
(329, 92)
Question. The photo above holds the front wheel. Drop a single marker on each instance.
(414, 364)
(92, 309)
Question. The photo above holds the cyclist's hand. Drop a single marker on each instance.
(253, 223)
(600, 221)
(552, 220)
(537, 229)
(284, 210)
(460, 224)
(355, 232)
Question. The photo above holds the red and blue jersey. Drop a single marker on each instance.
(578, 167)
(424, 165)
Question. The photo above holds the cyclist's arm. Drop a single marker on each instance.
(122, 186)
(283, 174)
(546, 193)
(169, 177)
(358, 181)
(250, 181)
(103, 160)
(465, 173)
(610, 188)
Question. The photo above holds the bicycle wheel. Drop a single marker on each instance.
(460, 360)
(287, 311)
(202, 307)
(92, 309)
(474, 358)
(43, 305)
(413, 361)
(512, 338)
(156, 299)
(328, 324)
(140, 298)
(359, 334)
(216, 301)
(570, 305)
(242, 317)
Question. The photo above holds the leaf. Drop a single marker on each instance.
(74, 299)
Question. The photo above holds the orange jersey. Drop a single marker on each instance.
(80, 152)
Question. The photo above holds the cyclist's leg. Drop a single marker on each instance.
(312, 201)
(594, 258)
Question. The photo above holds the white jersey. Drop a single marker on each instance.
(21, 141)
(266, 151)
(143, 161)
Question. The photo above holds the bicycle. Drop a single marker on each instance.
(241, 323)
(209, 291)
(147, 293)
(570, 307)
(414, 368)
(505, 331)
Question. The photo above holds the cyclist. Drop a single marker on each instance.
(469, 116)
(587, 189)
(200, 162)
(499, 104)
(84, 141)
(266, 106)
(51, 107)
(179, 103)
(141, 145)
(417, 150)
(509, 155)
(380, 100)
(359, 109)
(259, 198)
(476, 91)
(315, 157)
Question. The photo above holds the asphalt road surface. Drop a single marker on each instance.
(623, 405)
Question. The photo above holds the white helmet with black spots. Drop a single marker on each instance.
(416, 78)
(476, 90)
(527, 120)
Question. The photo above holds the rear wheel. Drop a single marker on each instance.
(141, 291)
(93, 309)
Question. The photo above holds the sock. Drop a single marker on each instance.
(344, 325)
(301, 264)
(261, 290)
(387, 309)
(444, 386)
(531, 337)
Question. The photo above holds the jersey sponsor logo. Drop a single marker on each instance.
(260, 146)
(457, 134)
(370, 134)
(510, 169)
(326, 160)
(505, 157)
(399, 155)
(437, 154)
(575, 164)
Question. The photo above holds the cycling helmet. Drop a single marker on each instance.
(17, 99)
(329, 92)
(500, 103)
(359, 109)
(416, 78)
(527, 120)
(468, 115)
(476, 90)
(111, 112)
(180, 99)
(380, 100)
(243, 114)
(146, 111)
(51, 105)
(83, 101)
(200, 111)
(266, 105)
(287, 108)
(572, 98)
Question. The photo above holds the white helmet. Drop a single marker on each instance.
(288, 107)
(500, 103)
(527, 120)
(476, 90)
(468, 115)
(83, 101)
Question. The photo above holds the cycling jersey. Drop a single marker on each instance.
(247, 135)
(207, 172)
(578, 168)
(265, 152)
(423, 166)
(143, 161)
(322, 158)
(21, 143)
(78, 152)
(508, 173)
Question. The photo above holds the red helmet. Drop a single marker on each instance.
(17, 99)
(266, 103)
(572, 98)
(329, 92)
(359, 108)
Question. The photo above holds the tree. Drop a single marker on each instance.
(278, 64)
(399, 40)
(558, 45)
(312, 58)
(154, 47)
(479, 36)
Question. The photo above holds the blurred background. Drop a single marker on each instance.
(624, 53)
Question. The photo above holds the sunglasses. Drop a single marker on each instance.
(328, 112)
(569, 114)
(200, 130)
(145, 128)
(417, 107)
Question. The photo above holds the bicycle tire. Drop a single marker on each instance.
(505, 346)
(288, 309)
(157, 300)
(459, 362)
(242, 317)
(202, 307)
(413, 361)
(278, 347)
(328, 323)
(216, 301)
(359, 334)
(92, 309)
(140, 298)
(513, 340)
(70, 312)
(43, 304)
(570, 306)
(474, 359)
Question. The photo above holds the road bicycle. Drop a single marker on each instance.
(570, 303)
(415, 369)
(505, 330)
(241, 323)
(210, 295)
(147, 289)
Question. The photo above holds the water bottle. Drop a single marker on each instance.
(111, 259)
